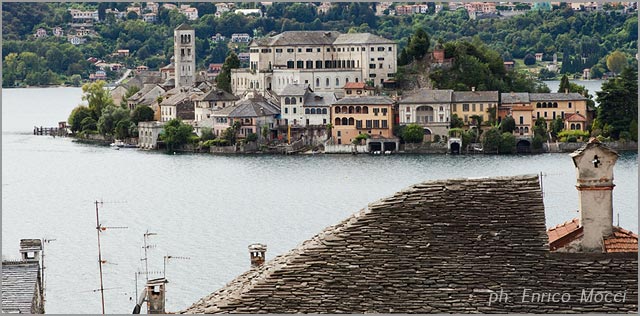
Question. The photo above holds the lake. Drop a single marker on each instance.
(209, 208)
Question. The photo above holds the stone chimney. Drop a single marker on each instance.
(566, 91)
(594, 167)
(473, 88)
(257, 252)
(156, 296)
(30, 249)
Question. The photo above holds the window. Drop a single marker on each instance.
(290, 64)
(473, 106)
(359, 124)
(381, 49)
(317, 82)
(299, 50)
(380, 58)
(300, 64)
(326, 82)
(318, 49)
(537, 114)
(562, 115)
(286, 110)
(376, 124)
(324, 111)
(289, 50)
(309, 64)
(545, 113)
(380, 66)
(371, 48)
(390, 48)
(306, 111)
(481, 107)
(454, 107)
(569, 104)
(465, 108)
(369, 122)
(554, 115)
(521, 119)
(278, 50)
(538, 105)
(294, 110)
(318, 63)
(376, 111)
(384, 111)
(339, 134)
(385, 124)
(309, 50)
(337, 82)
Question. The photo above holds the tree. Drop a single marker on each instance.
(529, 60)
(507, 143)
(619, 102)
(540, 128)
(223, 80)
(77, 115)
(491, 140)
(418, 44)
(176, 134)
(413, 133)
(616, 62)
(97, 97)
(557, 125)
(206, 134)
(564, 84)
(111, 116)
(142, 113)
(456, 122)
(508, 125)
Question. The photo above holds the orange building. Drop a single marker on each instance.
(552, 105)
(352, 116)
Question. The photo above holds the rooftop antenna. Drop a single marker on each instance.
(145, 247)
(166, 258)
(99, 229)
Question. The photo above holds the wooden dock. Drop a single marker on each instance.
(52, 131)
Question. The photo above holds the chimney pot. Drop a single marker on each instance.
(257, 252)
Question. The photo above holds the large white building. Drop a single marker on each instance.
(184, 53)
(324, 60)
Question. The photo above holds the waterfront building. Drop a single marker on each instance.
(326, 60)
(22, 280)
(430, 109)
(149, 133)
(552, 105)
(444, 246)
(148, 96)
(469, 103)
(352, 116)
(302, 107)
(211, 101)
(252, 114)
(180, 105)
(184, 52)
(518, 106)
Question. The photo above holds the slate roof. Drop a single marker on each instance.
(365, 100)
(621, 240)
(184, 27)
(475, 96)
(514, 98)
(218, 95)
(320, 99)
(298, 38)
(182, 96)
(295, 89)
(253, 107)
(556, 97)
(427, 96)
(433, 248)
(19, 280)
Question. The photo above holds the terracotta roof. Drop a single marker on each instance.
(365, 100)
(621, 240)
(575, 117)
(357, 85)
(432, 248)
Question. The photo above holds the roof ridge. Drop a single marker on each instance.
(562, 224)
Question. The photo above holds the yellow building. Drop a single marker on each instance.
(466, 104)
(518, 106)
(371, 115)
(552, 105)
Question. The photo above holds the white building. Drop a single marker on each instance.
(240, 38)
(84, 16)
(148, 134)
(75, 40)
(430, 109)
(300, 106)
(190, 13)
(257, 12)
(40, 33)
(213, 100)
(58, 32)
(184, 52)
(324, 60)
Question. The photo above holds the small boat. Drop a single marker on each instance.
(387, 152)
(120, 144)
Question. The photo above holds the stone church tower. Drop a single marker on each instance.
(184, 53)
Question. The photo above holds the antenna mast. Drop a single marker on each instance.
(99, 229)
(146, 258)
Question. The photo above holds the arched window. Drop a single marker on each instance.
(324, 111)
(293, 100)
(538, 105)
(290, 64)
(337, 121)
(346, 80)
(573, 126)
(306, 111)
(337, 82)
(578, 126)
(555, 104)
(251, 85)
(356, 79)
(351, 121)
(345, 121)
(358, 109)
(313, 111)
(317, 82)
(326, 82)
(526, 130)
(344, 109)
(351, 109)
(365, 110)
(544, 105)
(337, 109)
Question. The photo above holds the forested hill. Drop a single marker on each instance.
(582, 38)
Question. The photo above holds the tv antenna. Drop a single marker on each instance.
(100, 229)
(42, 268)
(146, 246)
(166, 258)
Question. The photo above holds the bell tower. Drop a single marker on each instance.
(184, 53)
(594, 167)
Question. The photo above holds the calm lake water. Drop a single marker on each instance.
(208, 208)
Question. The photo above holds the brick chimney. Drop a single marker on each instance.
(156, 296)
(30, 249)
(594, 168)
(257, 252)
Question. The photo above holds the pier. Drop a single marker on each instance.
(60, 130)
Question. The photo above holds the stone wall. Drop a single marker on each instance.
(571, 147)
(424, 148)
(344, 149)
